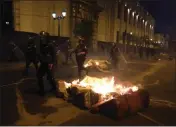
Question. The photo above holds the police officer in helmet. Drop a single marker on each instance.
(31, 55)
(114, 55)
(47, 61)
(81, 52)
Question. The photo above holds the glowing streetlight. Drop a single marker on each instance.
(64, 13)
(7, 23)
(131, 33)
(54, 15)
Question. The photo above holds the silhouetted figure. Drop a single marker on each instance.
(12, 47)
(103, 49)
(47, 60)
(31, 55)
(147, 51)
(67, 54)
(141, 52)
(81, 52)
(114, 55)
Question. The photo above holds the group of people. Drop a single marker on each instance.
(48, 61)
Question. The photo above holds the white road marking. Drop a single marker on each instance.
(150, 119)
(164, 102)
(16, 83)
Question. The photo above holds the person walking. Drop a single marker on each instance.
(81, 52)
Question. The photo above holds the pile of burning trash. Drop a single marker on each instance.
(105, 96)
(100, 65)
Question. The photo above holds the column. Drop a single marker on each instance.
(121, 20)
(127, 23)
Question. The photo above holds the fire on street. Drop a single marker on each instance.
(27, 108)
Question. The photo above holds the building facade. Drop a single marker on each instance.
(162, 40)
(125, 22)
(35, 16)
(121, 21)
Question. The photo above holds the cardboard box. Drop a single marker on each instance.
(86, 98)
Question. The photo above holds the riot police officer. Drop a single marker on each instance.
(31, 55)
(114, 54)
(12, 47)
(67, 51)
(47, 60)
(81, 53)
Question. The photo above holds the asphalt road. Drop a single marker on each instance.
(21, 105)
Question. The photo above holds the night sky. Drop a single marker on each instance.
(164, 12)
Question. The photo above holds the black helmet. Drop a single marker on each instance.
(42, 33)
(44, 37)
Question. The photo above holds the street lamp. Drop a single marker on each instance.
(55, 17)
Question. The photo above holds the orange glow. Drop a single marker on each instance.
(103, 86)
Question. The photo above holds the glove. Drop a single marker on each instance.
(50, 66)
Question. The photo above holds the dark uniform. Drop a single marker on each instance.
(114, 54)
(81, 53)
(66, 52)
(31, 55)
(47, 60)
(12, 51)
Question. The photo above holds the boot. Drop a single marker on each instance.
(41, 86)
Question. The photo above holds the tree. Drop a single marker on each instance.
(84, 29)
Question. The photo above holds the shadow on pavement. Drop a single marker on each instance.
(22, 106)
(8, 106)
(34, 101)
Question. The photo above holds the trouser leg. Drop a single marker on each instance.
(35, 64)
(28, 62)
(80, 63)
(51, 79)
(40, 74)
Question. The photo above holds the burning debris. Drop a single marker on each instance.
(101, 65)
(103, 94)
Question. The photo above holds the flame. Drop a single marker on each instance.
(103, 86)
(97, 63)
(91, 63)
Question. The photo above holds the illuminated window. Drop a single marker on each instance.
(74, 11)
